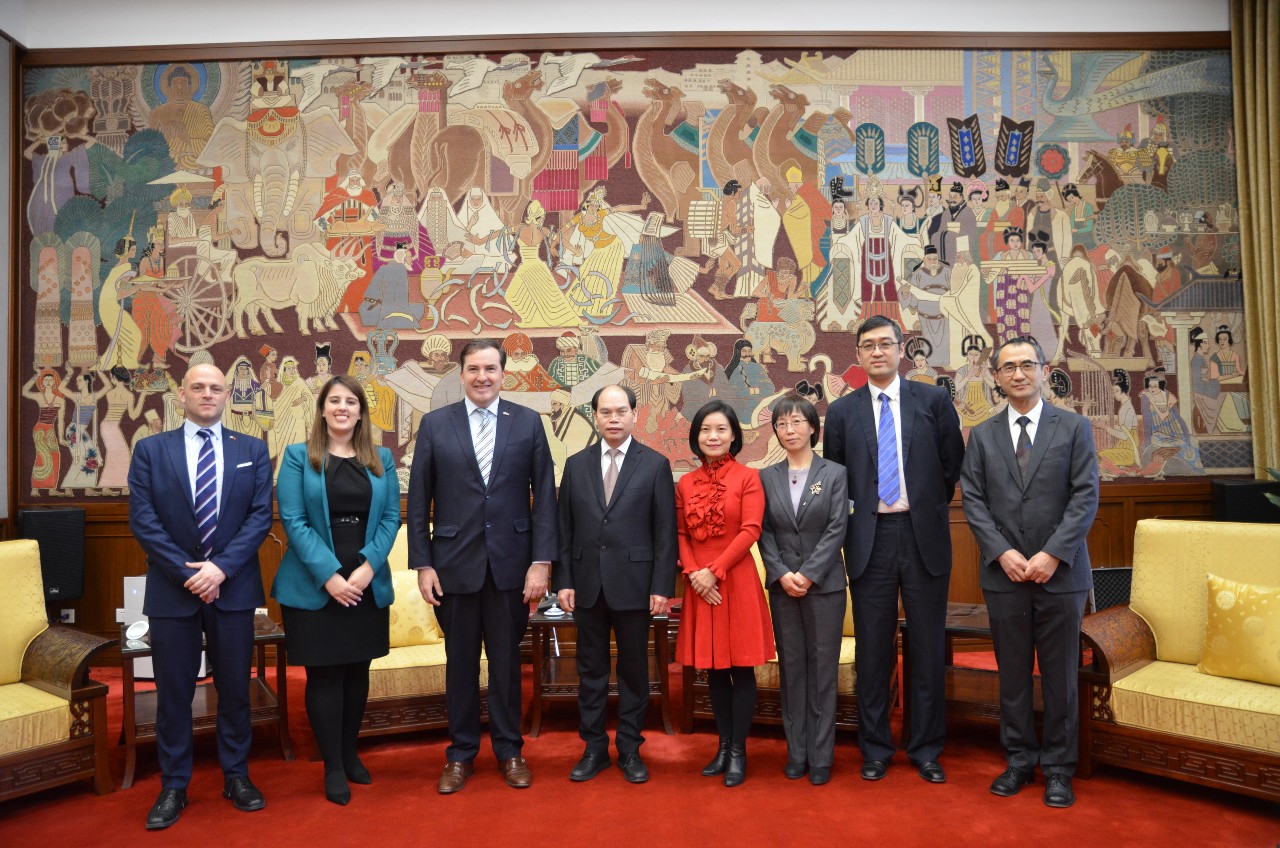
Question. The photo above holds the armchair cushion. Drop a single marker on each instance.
(1242, 633)
(22, 610)
(413, 620)
(414, 670)
(1175, 698)
(31, 717)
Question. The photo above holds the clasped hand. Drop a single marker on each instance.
(1039, 569)
(705, 584)
(206, 581)
(349, 590)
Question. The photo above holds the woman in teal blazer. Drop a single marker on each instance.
(339, 501)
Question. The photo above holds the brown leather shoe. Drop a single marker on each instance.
(454, 777)
(516, 772)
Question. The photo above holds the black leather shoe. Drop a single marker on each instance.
(633, 768)
(589, 766)
(1011, 781)
(735, 771)
(932, 772)
(243, 794)
(719, 761)
(795, 771)
(874, 769)
(336, 789)
(168, 806)
(819, 775)
(1058, 792)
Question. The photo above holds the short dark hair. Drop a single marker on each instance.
(477, 345)
(1017, 340)
(792, 402)
(875, 322)
(595, 398)
(710, 408)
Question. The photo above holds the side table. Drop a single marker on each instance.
(268, 706)
(555, 678)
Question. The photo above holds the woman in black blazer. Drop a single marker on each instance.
(806, 510)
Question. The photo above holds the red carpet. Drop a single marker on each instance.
(677, 806)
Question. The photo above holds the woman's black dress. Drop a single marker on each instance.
(334, 634)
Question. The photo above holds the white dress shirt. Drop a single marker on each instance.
(193, 442)
(894, 391)
(1034, 415)
(604, 456)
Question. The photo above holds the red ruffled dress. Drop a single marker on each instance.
(719, 510)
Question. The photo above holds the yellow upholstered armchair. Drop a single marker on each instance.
(1184, 680)
(406, 687)
(53, 718)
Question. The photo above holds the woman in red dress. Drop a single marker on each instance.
(725, 625)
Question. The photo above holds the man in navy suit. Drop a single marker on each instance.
(200, 506)
(1031, 493)
(617, 567)
(901, 444)
(482, 552)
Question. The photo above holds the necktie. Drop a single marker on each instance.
(206, 493)
(888, 455)
(1023, 449)
(611, 474)
(484, 444)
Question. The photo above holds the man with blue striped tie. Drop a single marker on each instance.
(901, 444)
(200, 506)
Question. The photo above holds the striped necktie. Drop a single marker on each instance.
(887, 458)
(206, 493)
(484, 444)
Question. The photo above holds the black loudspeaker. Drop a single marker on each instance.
(1244, 500)
(60, 532)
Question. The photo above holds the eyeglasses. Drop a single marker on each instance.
(791, 424)
(611, 414)
(882, 346)
(1029, 366)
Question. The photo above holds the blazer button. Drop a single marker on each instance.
(486, 497)
(603, 547)
(1025, 498)
(606, 521)
(487, 525)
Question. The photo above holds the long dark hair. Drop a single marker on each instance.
(361, 438)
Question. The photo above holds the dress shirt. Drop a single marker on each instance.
(894, 391)
(604, 456)
(193, 442)
(1033, 415)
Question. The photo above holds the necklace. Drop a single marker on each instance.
(797, 474)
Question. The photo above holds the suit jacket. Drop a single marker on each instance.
(1051, 512)
(627, 548)
(303, 497)
(808, 540)
(162, 518)
(457, 524)
(932, 450)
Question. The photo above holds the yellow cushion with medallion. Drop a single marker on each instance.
(413, 621)
(1242, 632)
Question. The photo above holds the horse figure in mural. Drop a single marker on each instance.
(1105, 176)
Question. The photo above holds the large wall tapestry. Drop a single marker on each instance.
(691, 224)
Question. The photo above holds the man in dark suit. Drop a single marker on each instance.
(200, 506)
(901, 444)
(1030, 484)
(617, 567)
(482, 551)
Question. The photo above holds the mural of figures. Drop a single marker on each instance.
(692, 224)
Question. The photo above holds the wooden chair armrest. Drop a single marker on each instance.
(1121, 641)
(57, 661)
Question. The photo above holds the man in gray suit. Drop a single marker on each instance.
(617, 567)
(1030, 484)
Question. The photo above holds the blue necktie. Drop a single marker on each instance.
(484, 444)
(206, 493)
(888, 455)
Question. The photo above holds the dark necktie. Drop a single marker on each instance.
(1023, 449)
(206, 493)
(887, 459)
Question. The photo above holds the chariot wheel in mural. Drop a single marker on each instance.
(203, 301)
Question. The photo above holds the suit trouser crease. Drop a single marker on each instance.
(175, 650)
(1030, 624)
(896, 565)
(498, 618)
(631, 630)
(807, 633)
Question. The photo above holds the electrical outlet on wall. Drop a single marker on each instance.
(68, 616)
(119, 615)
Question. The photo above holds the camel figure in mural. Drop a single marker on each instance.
(617, 138)
(518, 97)
(775, 151)
(667, 169)
(727, 149)
(355, 122)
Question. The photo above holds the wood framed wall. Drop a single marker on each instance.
(111, 553)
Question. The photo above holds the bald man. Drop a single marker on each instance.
(200, 506)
